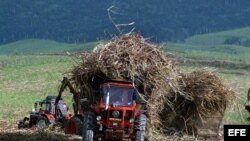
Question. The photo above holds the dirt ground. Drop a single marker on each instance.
(14, 134)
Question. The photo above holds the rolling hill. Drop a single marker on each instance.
(239, 36)
(35, 46)
(226, 45)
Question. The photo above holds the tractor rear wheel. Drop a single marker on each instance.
(140, 127)
(89, 125)
(42, 122)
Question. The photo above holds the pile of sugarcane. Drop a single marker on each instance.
(202, 97)
(174, 100)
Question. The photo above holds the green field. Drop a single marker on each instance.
(26, 79)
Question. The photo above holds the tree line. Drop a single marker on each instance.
(89, 20)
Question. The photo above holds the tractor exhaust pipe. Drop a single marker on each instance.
(107, 99)
(107, 102)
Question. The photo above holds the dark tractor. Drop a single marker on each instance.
(248, 103)
(45, 113)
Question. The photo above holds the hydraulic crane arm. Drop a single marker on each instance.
(66, 83)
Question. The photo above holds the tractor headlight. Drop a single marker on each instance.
(115, 124)
(115, 114)
(98, 118)
(131, 120)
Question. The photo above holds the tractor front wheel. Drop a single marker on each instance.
(23, 123)
(42, 122)
(89, 125)
(140, 127)
(74, 126)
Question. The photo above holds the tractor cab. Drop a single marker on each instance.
(117, 94)
(47, 106)
(44, 106)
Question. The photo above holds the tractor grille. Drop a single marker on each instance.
(112, 115)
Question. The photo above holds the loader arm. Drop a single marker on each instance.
(66, 83)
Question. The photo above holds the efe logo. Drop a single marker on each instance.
(236, 132)
(241, 132)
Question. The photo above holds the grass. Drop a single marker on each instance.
(35, 46)
(26, 79)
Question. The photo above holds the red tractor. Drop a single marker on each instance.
(46, 114)
(115, 117)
